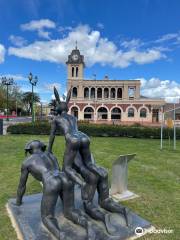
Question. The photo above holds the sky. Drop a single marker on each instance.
(124, 39)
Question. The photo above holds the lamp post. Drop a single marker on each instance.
(33, 81)
(7, 82)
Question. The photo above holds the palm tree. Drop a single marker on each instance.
(52, 103)
(27, 99)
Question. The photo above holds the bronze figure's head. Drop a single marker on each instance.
(34, 147)
(62, 106)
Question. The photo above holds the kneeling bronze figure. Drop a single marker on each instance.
(43, 166)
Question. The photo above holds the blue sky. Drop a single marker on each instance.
(124, 39)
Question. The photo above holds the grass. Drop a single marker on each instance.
(153, 175)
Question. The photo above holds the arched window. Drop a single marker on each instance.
(102, 113)
(99, 93)
(119, 93)
(113, 93)
(106, 93)
(74, 92)
(131, 112)
(76, 71)
(89, 113)
(92, 93)
(74, 111)
(143, 113)
(116, 113)
(72, 71)
(86, 92)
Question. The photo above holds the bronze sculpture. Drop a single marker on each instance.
(77, 156)
(78, 168)
(43, 166)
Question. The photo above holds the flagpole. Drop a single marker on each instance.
(174, 126)
(162, 121)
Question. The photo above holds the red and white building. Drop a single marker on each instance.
(108, 100)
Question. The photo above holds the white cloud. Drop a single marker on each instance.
(133, 43)
(58, 86)
(16, 77)
(157, 88)
(50, 86)
(172, 39)
(168, 37)
(63, 29)
(39, 26)
(100, 25)
(2, 53)
(95, 48)
(17, 40)
(53, 97)
(147, 56)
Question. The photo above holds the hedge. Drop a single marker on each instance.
(96, 130)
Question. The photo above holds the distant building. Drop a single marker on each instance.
(108, 100)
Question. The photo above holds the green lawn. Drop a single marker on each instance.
(154, 176)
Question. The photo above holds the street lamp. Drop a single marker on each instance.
(7, 82)
(33, 81)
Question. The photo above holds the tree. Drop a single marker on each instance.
(15, 97)
(52, 103)
(2, 98)
(27, 100)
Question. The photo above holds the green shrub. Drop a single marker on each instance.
(96, 130)
(29, 128)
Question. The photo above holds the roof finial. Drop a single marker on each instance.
(76, 45)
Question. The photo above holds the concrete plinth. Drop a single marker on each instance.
(127, 195)
(26, 220)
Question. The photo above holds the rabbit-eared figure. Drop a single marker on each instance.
(78, 160)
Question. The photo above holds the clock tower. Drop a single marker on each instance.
(75, 65)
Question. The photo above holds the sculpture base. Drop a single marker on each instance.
(127, 195)
(26, 220)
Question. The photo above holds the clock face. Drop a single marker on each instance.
(75, 57)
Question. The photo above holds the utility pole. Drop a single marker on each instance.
(33, 81)
(162, 123)
(174, 126)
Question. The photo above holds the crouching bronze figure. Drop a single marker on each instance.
(43, 166)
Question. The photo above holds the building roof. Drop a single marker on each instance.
(109, 80)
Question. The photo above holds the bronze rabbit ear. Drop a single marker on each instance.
(68, 96)
(56, 94)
